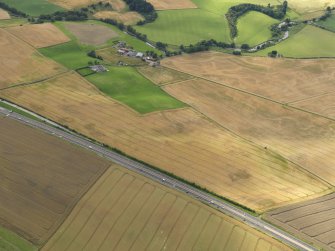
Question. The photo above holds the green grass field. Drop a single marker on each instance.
(310, 42)
(186, 27)
(12, 242)
(12, 22)
(33, 7)
(128, 86)
(254, 28)
(329, 24)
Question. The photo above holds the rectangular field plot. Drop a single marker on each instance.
(21, 63)
(182, 141)
(284, 80)
(124, 211)
(42, 178)
(312, 220)
(298, 136)
(172, 4)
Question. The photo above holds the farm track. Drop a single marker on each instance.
(166, 181)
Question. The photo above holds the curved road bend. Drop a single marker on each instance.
(164, 179)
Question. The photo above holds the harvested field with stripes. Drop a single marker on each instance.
(21, 63)
(301, 137)
(42, 178)
(312, 220)
(125, 211)
(284, 80)
(172, 4)
(162, 76)
(180, 141)
(39, 35)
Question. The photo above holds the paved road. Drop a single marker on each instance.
(146, 171)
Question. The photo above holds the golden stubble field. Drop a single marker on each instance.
(39, 35)
(41, 179)
(306, 139)
(21, 63)
(182, 141)
(312, 220)
(172, 4)
(125, 211)
(4, 14)
(284, 80)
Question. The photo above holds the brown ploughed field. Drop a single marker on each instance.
(172, 4)
(182, 141)
(41, 179)
(39, 35)
(92, 34)
(21, 63)
(283, 80)
(313, 220)
(306, 139)
(125, 211)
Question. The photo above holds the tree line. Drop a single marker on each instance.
(12, 11)
(144, 8)
(277, 12)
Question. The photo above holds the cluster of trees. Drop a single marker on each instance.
(12, 11)
(277, 12)
(144, 8)
(93, 54)
(61, 16)
(205, 45)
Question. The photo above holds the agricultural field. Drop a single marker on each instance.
(128, 86)
(329, 24)
(163, 76)
(4, 14)
(44, 180)
(33, 7)
(91, 34)
(310, 42)
(72, 4)
(312, 220)
(172, 4)
(307, 6)
(127, 18)
(182, 141)
(283, 80)
(296, 136)
(12, 22)
(186, 27)
(254, 28)
(125, 211)
(39, 35)
(20, 63)
(9, 241)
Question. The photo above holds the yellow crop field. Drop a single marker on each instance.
(284, 80)
(180, 141)
(172, 4)
(298, 136)
(125, 211)
(21, 63)
(305, 6)
(4, 14)
(39, 35)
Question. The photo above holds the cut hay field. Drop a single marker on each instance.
(284, 80)
(125, 211)
(186, 27)
(172, 4)
(329, 23)
(4, 14)
(21, 63)
(33, 7)
(181, 141)
(128, 86)
(162, 76)
(307, 6)
(303, 138)
(10, 241)
(41, 182)
(39, 35)
(127, 18)
(91, 34)
(312, 220)
(254, 28)
(310, 42)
